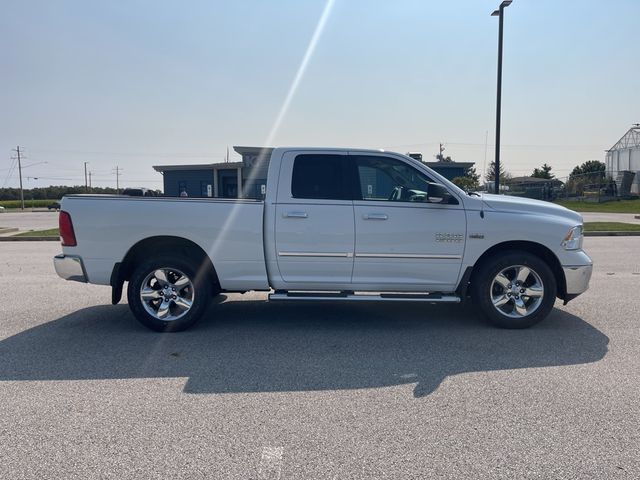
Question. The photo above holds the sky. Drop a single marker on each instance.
(132, 84)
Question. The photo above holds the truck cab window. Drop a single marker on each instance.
(388, 179)
(319, 177)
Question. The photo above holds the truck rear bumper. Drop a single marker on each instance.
(70, 267)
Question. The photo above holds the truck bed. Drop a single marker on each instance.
(230, 231)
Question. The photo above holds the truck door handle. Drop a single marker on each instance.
(296, 215)
(375, 216)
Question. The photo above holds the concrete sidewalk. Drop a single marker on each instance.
(610, 217)
(27, 220)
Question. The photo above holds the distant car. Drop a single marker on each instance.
(54, 206)
(139, 192)
(1, 209)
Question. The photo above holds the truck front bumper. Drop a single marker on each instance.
(577, 280)
(70, 267)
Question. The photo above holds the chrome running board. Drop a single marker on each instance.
(368, 297)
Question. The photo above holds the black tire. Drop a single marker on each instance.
(199, 286)
(485, 286)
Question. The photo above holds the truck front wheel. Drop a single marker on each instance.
(167, 295)
(514, 290)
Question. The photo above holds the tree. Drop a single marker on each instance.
(473, 175)
(592, 169)
(543, 172)
(585, 176)
(490, 176)
(470, 181)
(465, 183)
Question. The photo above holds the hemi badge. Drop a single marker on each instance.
(476, 235)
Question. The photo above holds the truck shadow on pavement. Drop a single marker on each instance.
(252, 346)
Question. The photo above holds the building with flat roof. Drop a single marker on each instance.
(246, 178)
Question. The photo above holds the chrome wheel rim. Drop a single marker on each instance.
(517, 291)
(167, 294)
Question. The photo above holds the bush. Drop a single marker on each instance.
(28, 203)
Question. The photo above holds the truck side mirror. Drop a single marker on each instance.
(437, 193)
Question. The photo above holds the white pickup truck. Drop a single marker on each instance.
(335, 224)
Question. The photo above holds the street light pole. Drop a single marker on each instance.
(500, 14)
(86, 185)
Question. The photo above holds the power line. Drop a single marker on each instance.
(127, 154)
(512, 145)
(13, 166)
(79, 178)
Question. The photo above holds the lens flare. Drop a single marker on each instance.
(262, 157)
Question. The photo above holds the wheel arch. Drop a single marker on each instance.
(534, 248)
(156, 246)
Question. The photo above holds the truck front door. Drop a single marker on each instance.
(404, 242)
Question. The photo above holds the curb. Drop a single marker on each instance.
(612, 234)
(29, 239)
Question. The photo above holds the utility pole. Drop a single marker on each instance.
(86, 185)
(17, 150)
(90, 180)
(118, 170)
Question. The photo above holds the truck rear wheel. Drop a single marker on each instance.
(514, 290)
(166, 295)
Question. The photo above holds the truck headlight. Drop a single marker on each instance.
(573, 239)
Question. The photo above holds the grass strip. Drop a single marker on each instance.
(52, 232)
(611, 227)
(616, 206)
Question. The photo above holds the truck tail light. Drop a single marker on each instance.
(67, 235)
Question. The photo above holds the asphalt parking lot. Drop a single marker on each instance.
(308, 391)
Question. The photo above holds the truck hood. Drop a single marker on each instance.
(506, 203)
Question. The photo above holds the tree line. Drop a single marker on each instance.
(50, 193)
(591, 170)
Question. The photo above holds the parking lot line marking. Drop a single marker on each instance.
(270, 463)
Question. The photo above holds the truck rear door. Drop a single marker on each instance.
(314, 225)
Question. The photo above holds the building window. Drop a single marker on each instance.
(182, 187)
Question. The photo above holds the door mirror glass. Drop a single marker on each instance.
(437, 193)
